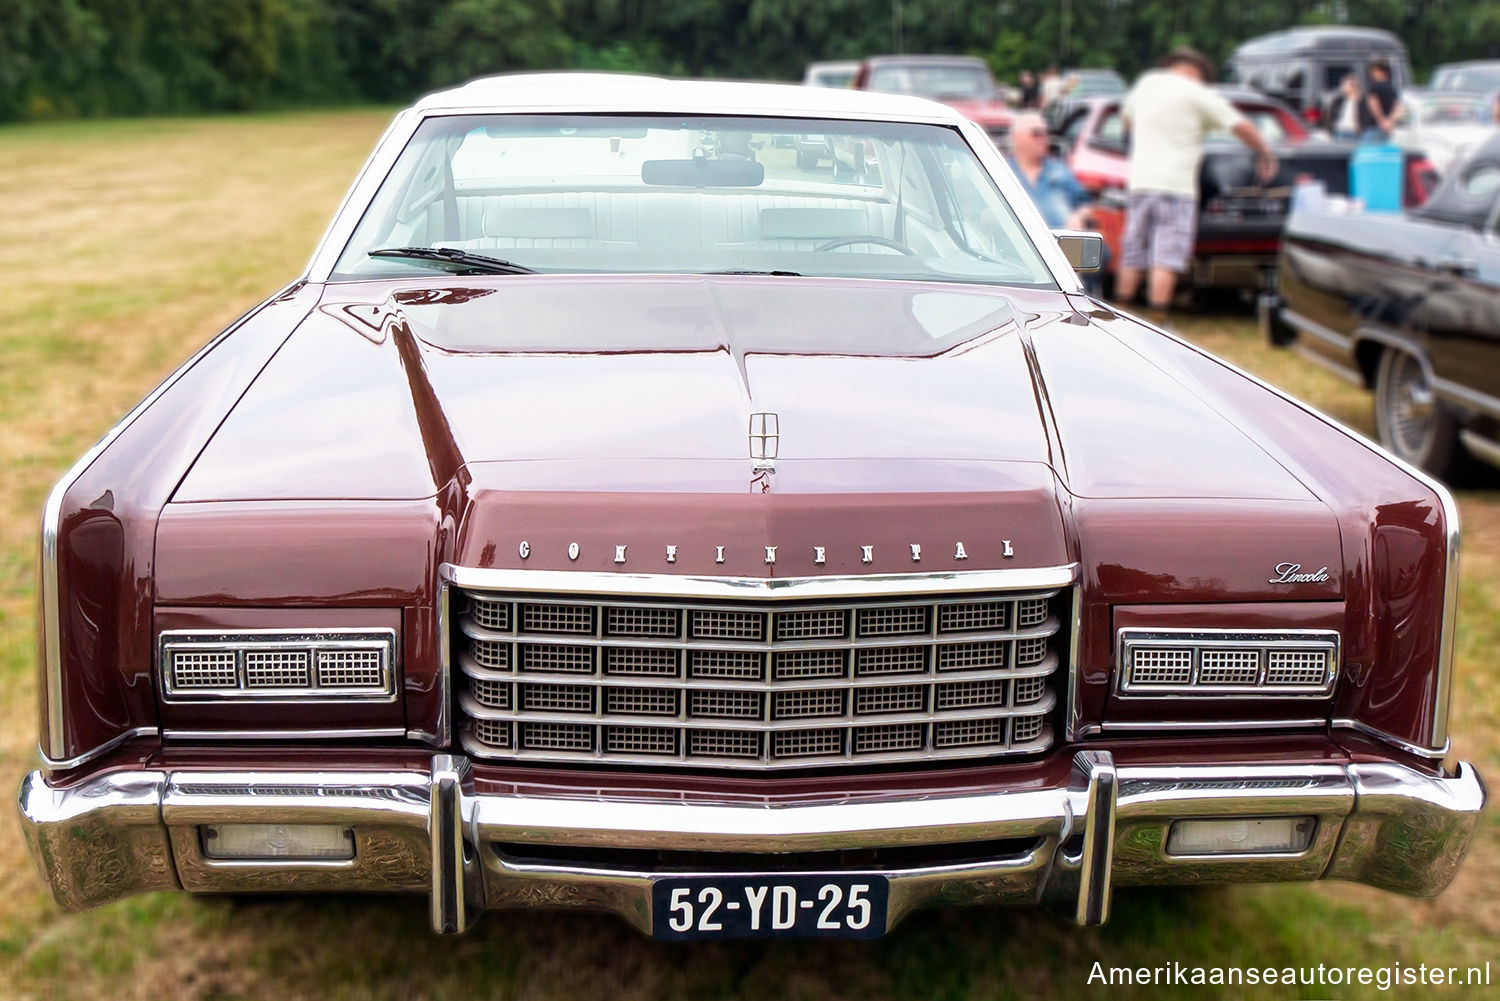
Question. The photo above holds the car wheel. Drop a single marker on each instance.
(1277, 332)
(1409, 418)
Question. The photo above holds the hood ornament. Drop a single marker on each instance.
(765, 439)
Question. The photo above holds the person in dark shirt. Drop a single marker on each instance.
(1031, 91)
(1382, 101)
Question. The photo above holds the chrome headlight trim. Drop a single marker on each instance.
(316, 654)
(1196, 643)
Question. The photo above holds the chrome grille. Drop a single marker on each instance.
(756, 683)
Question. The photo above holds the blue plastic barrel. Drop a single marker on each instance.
(1375, 176)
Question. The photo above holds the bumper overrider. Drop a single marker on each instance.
(125, 832)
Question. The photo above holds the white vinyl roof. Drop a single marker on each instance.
(624, 93)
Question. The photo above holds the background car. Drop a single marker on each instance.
(1303, 67)
(964, 83)
(831, 74)
(1444, 125)
(1481, 75)
(1409, 305)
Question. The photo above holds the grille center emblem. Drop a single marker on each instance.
(765, 439)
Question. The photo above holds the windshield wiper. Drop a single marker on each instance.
(774, 274)
(457, 261)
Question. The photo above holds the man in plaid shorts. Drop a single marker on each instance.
(1168, 112)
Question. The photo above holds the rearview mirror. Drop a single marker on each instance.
(1084, 251)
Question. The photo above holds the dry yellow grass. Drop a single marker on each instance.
(130, 243)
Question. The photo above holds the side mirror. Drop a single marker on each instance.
(1084, 251)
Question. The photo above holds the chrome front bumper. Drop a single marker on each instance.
(121, 833)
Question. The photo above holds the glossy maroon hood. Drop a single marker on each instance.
(605, 410)
(611, 384)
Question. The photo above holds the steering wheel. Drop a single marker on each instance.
(878, 241)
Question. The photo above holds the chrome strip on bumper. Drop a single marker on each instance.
(122, 833)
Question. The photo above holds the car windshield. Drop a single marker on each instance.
(630, 194)
(941, 81)
(1452, 109)
(831, 77)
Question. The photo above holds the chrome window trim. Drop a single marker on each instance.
(1199, 639)
(52, 691)
(314, 641)
(771, 588)
(1442, 694)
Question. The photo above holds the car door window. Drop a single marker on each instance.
(1110, 135)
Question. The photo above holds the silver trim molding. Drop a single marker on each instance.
(1433, 754)
(63, 764)
(646, 585)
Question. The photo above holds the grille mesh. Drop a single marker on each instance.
(828, 623)
(1296, 667)
(491, 614)
(897, 621)
(811, 664)
(350, 669)
(724, 705)
(640, 740)
(641, 701)
(817, 702)
(715, 625)
(277, 668)
(623, 620)
(204, 669)
(1229, 667)
(812, 684)
(647, 661)
(557, 618)
(1161, 666)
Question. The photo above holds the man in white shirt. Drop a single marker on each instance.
(1168, 112)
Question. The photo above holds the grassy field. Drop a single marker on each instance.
(128, 244)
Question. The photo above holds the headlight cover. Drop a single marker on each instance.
(277, 665)
(1155, 663)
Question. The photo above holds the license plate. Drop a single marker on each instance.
(800, 906)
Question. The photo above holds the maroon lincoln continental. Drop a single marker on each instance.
(620, 515)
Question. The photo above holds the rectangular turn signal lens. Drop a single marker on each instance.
(277, 841)
(1241, 836)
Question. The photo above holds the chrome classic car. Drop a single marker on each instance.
(617, 515)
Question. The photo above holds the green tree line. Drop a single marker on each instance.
(64, 58)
